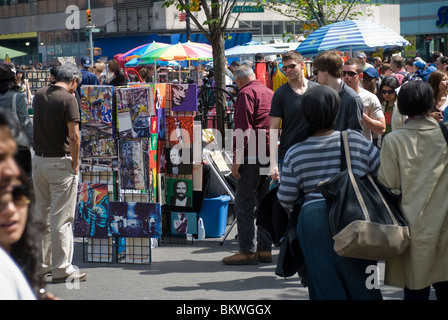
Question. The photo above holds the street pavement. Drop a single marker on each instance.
(183, 272)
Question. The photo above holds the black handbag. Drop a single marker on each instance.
(365, 217)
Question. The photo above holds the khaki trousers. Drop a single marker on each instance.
(55, 187)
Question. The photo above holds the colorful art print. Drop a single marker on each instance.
(135, 219)
(183, 223)
(161, 188)
(161, 122)
(159, 96)
(133, 123)
(180, 128)
(91, 218)
(98, 148)
(184, 97)
(99, 164)
(132, 165)
(154, 125)
(96, 111)
(136, 97)
(179, 160)
(154, 141)
(179, 192)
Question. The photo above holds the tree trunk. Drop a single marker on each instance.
(219, 66)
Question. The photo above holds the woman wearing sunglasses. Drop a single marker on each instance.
(388, 98)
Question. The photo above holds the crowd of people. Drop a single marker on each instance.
(393, 117)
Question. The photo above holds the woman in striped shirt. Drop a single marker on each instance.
(307, 163)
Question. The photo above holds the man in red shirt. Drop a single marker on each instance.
(251, 135)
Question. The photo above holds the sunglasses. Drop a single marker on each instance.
(19, 198)
(349, 73)
(387, 91)
(291, 66)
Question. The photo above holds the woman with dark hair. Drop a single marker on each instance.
(413, 160)
(388, 98)
(22, 236)
(439, 83)
(307, 163)
(116, 75)
(23, 85)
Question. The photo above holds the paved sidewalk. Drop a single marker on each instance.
(187, 272)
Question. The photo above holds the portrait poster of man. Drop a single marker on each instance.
(184, 97)
(183, 223)
(92, 216)
(180, 128)
(178, 160)
(96, 111)
(159, 96)
(135, 219)
(179, 192)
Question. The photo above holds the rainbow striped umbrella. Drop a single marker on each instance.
(142, 50)
(178, 52)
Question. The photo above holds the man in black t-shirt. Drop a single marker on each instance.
(286, 111)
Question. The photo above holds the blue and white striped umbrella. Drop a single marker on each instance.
(351, 35)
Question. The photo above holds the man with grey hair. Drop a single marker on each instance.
(55, 170)
(252, 108)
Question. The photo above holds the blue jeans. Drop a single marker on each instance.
(250, 189)
(330, 276)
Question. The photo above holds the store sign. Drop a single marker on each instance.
(442, 13)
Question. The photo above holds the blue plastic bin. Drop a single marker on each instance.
(214, 216)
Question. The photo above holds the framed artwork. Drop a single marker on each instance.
(91, 218)
(132, 165)
(184, 97)
(96, 111)
(135, 219)
(179, 160)
(179, 192)
(180, 128)
(161, 123)
(98, 148)
(183, 223)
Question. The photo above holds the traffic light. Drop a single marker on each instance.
(89, 15)
(195, 6)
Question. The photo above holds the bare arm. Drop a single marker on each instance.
(375, 125)
(75, 143)
(274, 126)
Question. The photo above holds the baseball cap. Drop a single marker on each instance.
(6, 73)
(85, 62)
(371, 72)
(420, 64)
(362, 55)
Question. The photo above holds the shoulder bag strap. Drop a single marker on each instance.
(14, 105)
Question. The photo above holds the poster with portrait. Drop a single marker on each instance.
(180, 128)
(96, 111)
(179, 192)
(159, 95)
(135, 219)
(184, 97)
(183, 223)
(91, 218)
(179, 159)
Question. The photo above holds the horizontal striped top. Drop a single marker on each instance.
(319, 158)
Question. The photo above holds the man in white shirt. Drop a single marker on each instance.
(373, 120)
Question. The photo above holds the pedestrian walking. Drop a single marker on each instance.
(55, 174)
(285, 111)
(329, 276)
(328, 66)
(373, 117)
(413, 160)
(251, 129)
(15, 103)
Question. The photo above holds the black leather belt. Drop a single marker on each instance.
(53, 155)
